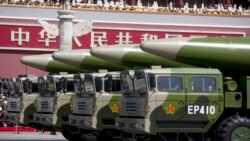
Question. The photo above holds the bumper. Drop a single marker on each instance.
(83, 122)
(43, 119)
(129, 125)
(13, 117)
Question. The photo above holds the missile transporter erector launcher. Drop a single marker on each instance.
(22, 94)
(190, 103)
(95, 107)
(81, 58)
(226, 54)
(131, 55)
(47, 63)
(53, 103)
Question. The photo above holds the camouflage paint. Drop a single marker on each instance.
(45, 62)
(83, 60)
(63, 108)
(134, 59)
(55, 66)
(114, 105)
(93, 63)
(225, 53)
(132, 56)
(169, 110)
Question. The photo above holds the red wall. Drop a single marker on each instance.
(11, 66)
(11, 52)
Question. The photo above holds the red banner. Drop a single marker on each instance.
(35, 37)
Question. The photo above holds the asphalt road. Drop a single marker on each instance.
(36, 136)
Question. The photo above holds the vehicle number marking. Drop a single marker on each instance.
(196, 109)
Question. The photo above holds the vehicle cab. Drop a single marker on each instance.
(170, 100)
(22, 94)
(96, 103)
(53, 103)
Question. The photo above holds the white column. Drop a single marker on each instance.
(65, 29)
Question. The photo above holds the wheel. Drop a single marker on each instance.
(103, 137)
(234, 128)
(70, 136)
(96, 138)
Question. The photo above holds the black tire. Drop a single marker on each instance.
(70, 136)
(234, 128)
(103, 137)
(88, 137)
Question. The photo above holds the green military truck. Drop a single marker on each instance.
(95, 106)
(53, 102)
(22, 94)
(184, 104)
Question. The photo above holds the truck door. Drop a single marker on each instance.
(203, 100)
(171, 100)
(110, 101)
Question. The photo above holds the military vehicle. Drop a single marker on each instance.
(187, 103)
(131, 56)
(45, 62)
(95, 106)
(82, 58)
(226, 54)
(53, 103)
(22, 94)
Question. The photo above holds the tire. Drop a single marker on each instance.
(70, 136)
(85, 137)
(103, 137)
(234, 128)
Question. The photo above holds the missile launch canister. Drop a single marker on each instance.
(131, 55)
(229, 54)
(82, 59)
(45, 62)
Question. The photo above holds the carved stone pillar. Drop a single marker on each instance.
(65, 29)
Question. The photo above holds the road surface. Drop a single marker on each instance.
(31, 136)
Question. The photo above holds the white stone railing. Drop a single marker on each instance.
(133, 9)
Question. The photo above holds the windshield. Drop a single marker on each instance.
(78, 84)
(42, 86)
(85, 86)
(51, 84)
(88, 84)
(46, 87)
(13, 88)
(133, 85)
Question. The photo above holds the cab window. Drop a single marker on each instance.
(115, 87)
(70, 86)
(203, 84)
(169, 83)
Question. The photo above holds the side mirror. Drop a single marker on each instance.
(109, 83)
(98, 84)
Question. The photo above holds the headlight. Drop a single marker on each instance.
(48, 119)
(94, 106)
(72, 121)
(87, 123)
(147, 108)
(140, 125)
(117, 124)
(16, 118)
